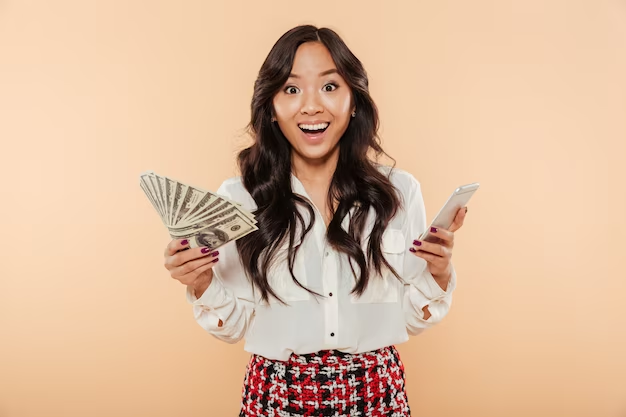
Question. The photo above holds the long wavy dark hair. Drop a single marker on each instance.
(266, 171)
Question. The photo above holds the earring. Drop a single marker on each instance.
(354, 113)
(273, 119)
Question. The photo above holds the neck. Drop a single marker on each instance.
(315, 171)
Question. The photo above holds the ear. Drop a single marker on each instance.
(273, 114)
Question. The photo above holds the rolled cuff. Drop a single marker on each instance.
(214, 295)
(425, 291)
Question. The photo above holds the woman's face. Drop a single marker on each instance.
(313, 108)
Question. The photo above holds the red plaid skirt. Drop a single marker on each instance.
(326, 383)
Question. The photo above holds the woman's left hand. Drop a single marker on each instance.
(438, 255)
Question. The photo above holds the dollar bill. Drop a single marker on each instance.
(151, 199)
(228, 229)
(161, 184)
(150, 185)
(206, 203)
(170, 187)
(219, 204)
(179, 192)
(190, 229)
(157, 193)
(203, 217)
(213, 209)
(234, 203)
(188, 201)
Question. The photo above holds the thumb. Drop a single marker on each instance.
(458, 219)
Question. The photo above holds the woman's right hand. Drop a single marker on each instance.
(190, 266)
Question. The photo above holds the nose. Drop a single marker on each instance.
(311, 104)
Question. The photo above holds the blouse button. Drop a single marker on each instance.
(326, 254)
(330, 294)
(332, 334)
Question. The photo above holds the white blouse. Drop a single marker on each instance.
(387, 312)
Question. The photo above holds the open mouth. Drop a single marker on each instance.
(315, 129)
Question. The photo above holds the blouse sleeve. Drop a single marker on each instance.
(420, 287)
(228, 298)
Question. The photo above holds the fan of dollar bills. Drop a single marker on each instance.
(202, 217)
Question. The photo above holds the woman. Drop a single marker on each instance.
(334, 277)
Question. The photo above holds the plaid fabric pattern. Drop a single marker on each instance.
(326, 383)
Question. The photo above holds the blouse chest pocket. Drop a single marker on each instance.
(386, 288)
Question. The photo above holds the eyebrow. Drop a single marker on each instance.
(321, 74)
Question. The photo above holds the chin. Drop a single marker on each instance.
(315, 153)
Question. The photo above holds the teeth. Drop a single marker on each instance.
(314, 127)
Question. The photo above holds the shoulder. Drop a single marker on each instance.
(232, 184)
(233, 189)
(406, 184)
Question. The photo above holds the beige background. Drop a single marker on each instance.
(527, 97)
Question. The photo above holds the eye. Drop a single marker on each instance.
(332, 86)
(290, 89)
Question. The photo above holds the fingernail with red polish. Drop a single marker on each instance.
(215, 253)
(417, 243)
(433, 229)
(215, 260)
(184, 242)
(205, 250)
(412, 250)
